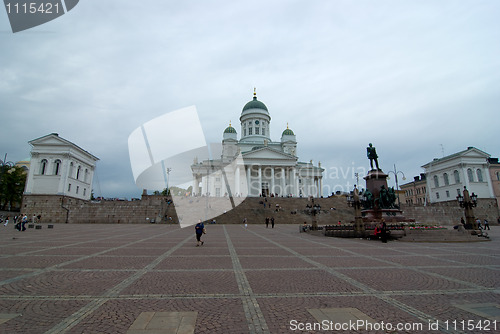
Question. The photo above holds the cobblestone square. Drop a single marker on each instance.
(101, 278)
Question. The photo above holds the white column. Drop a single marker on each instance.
(249, 181)
(223, 188)
(260, 180)
(297, 192)
(237, 181)
(272, 181)
(320, 186)
(283, 181)
(195, 184)
(293, 180)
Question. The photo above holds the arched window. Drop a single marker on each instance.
(78, 172)
(86, 176)
(436, 181)
(446, 180)
(71, 170)
(43, 166)
(479, 175)
(57, 167)
(457, 176)
(470, 175)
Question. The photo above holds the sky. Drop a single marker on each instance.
(418, 79)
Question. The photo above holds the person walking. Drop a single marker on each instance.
(199, 230)
(478, 222)
(272, 222)
(23, 223)
(6, 221)
(383, 231)
(485, 223)
(245, 222)
(267, 222)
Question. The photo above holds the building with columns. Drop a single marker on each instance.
(447, 176)
(254, 165)
(59, 167)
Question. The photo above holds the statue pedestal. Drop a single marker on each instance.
(374, 182)
(389, 215)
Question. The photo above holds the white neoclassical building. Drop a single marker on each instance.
(254, 165)
(59, 167)
(447, 176)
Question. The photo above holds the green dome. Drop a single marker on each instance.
(230, 129)
(254, 104)
(288, 132)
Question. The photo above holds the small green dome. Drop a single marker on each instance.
(288, 131)
(254, 104)
(230, 129)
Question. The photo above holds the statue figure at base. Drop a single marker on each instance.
(372, 155)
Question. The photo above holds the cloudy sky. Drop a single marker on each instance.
(418, 79)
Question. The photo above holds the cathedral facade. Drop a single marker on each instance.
(254, 165)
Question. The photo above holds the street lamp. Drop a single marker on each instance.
(168, 170)
(468, 202)
(354, 201)
(313, 210)
(396, 172)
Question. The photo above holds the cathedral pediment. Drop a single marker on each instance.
(267, 154)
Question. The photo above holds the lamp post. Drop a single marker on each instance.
(468, 202)
(314, 210)
(354, 201)
(396, 172)
(168, 170)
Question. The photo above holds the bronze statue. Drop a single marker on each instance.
(392, 197)
(369, 201)
(372, 155)
(383, 198)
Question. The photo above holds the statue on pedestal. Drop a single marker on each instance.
(372, 155)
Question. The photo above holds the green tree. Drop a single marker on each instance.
(12, 181)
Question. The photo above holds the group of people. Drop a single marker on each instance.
(20, 221)
(270, 220)
(486, 224)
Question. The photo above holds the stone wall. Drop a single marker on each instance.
(61, 209)
(449, 213)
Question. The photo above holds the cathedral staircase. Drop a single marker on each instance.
(287, 211)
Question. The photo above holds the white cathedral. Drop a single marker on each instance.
(258, 166)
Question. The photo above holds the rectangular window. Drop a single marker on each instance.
(257, 131)
(437, 195)
(249, 131)
(244, 132)
(77, 188)
(263, 131)
(69, 187)
(217, 179)
(447, 193)
(84, 191)
(217, 192)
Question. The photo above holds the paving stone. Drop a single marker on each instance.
(101, 278)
